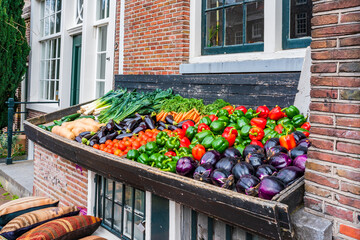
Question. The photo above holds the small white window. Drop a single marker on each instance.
(257, 30)
(102, 11)
(50, 17)
(239, 37)
(101, 61)
(50, 66)
(301, 2)
(79, 11)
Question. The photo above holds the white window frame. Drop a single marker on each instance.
(272, 37)
(297, 18)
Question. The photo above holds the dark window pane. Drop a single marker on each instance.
(109, 189)
(255, 22)
(214, 3)
(234, 25)
(117, 217)
(233, 1)
(300, 18)
(108, 212)
(214, 28)
(139, 201)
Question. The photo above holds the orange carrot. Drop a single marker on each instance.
(159, 115)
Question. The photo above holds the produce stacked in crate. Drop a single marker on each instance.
(253, 151)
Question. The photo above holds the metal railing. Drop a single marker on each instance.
(11, 104)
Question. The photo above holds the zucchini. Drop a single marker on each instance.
(71, 117)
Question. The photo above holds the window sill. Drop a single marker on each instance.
(45, 108)
(281, 61)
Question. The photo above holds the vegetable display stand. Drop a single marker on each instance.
(270, 219)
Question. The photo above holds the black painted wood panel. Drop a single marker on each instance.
(250, 90)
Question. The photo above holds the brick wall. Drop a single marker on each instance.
(58, 178)
(333, 171)
(156, 36)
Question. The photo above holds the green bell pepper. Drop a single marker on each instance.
(283, 121)
(291, 111)
(234, 125)
(238, 140)
(172, 143)
(241, 148)
(298, 120)
(220, 144)
(224, 119)
(244, 132)
(242, 122)
(238, 113)
(218, 126)
(223, 112)
(171, 167)
(271, 123)
(246, 142)
(207, 141)
(206, 120)
(151, 147)
(269, 135)
(142, 149)
(183, 151)
(213, 112)
(191, 132)
(267, 130)
(288, 128)
(194, 142)
(132, 154)
(201, 135)
(234, 118)
(161, 138)
(143, 158)
(251, 113)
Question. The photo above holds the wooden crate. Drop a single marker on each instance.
(270, 219)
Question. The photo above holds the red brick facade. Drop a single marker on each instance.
(156, 36)
(333, 171)
(59, 178)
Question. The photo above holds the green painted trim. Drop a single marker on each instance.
(75, 70)
(210, 228)
(288, 43)
(159, 217)
(193, 225)
(228, 232)
(245, 47)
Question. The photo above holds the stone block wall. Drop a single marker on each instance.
(333, 171)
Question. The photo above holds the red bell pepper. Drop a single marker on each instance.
(279, 128)
(185, 142)
(264, 111)
(306, 126)
(242, 108)
(170, 154)
(187, 124)
(203, 126)
(198, 151)
(288, 141)
(255, 142)
(180, 132)
(230, 137)
(231, 130)
(256, 133)
(229, 108)
(258, 122)
(276, 113)
(213, 117)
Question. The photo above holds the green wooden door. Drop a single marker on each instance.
(75, 72)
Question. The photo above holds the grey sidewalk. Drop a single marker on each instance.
(18, 178)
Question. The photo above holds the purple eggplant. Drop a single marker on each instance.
(185, 166)
(203, 172)
(304, 143)
(123, 135)
(242, 168)
(222, 178)
(108, 137)
(170, 119)
(280, 160)
(289, 174)
(255, 159)
(149, 122)
(275, 150)
(300, 162)
(163, 124)
(247, 184)
(298, 136)
(232, 152)
(252, 149)
(226, 163)
(110, 125)
(94, 141)
(161, 128)
(172, 127)
(272, 142)
(298, 151)
(265, 170)
(211, 157)
(142, 127)
(102, 132)
(131, 125)
(83, 134)
(269, 187)
(78, 139)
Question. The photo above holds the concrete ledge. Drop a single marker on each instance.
(308, 226)
(18, 177)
